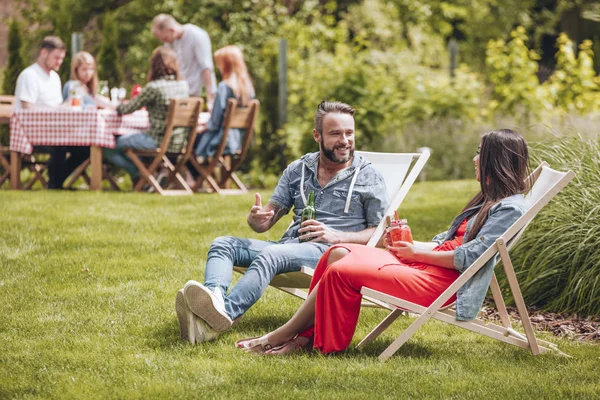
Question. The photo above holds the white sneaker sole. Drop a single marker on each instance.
(200, 301)
(185, 317)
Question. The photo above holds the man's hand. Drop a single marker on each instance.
(315, 231)
(259, 219)
(405, 251)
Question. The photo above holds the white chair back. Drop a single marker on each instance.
(400, 171)
(547, 179)
(393, 166)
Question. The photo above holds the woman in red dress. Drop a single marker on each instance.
(417, 272)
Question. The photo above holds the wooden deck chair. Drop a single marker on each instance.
(399, 170)
(548, 183)
(235, 117)
(182, 113)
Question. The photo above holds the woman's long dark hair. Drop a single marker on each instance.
(503, 171)
(163, 62)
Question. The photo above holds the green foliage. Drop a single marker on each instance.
(574, 85)
(16, 63)
(512, 71)
(557, 261)
(109, 64)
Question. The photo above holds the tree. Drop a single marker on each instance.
(16, 64)
(109, 63)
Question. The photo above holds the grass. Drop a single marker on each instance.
(87, 292)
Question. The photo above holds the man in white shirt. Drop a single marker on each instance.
(194, 53)
(39, 86)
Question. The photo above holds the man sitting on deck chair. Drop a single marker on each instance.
(350, 198)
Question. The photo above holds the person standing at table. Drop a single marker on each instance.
(39, 86)
(164, 83)
(194, 53)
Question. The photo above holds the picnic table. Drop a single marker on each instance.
(65, 126)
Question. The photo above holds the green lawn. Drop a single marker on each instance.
(87, 293)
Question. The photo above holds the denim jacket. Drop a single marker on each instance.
(500, 217)
(353, 200)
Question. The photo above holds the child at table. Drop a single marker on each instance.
(84, 77)
(164, 83)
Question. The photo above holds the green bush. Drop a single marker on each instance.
(558, 259)
(512, 71)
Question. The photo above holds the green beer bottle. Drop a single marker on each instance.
(309, 212)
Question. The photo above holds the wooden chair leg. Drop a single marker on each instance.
(177, 175)
(511, 277)
(205, 175)
(145, 173)
(77, 173)
(381, 327)
(4, 177)
(111, 180)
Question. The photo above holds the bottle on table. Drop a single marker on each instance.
(309, 212)
(104, 90)
(74, 96)
(400, 231)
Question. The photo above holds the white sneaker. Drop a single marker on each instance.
(185, 317)
(208, 305)
(203, 332)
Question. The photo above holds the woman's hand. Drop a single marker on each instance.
(404, 251)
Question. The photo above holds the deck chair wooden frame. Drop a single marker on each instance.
(400, 171)
(182, 113)
(235, 117)
(548, 183)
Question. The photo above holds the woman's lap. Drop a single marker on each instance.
(380, 270)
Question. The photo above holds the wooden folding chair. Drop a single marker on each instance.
(182, 113)
(235, 117)
(399, 170)
(81, 171)
(29, 162)
(7, 103)
(548, 183)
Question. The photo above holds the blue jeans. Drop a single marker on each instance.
(263, 259)
(116, 156)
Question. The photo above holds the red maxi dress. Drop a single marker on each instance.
(339, 298)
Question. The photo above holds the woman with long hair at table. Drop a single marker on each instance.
(164, 83)
(236, 84)
(418, 272)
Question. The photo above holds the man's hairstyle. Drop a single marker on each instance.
(162, 22)
(327, 107)
(52, 42)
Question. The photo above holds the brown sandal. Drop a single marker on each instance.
(259, 344)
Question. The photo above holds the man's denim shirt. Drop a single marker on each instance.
(367, 197)
(500, 217)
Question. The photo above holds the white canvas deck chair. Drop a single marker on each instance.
(399, 170)
(547, 183)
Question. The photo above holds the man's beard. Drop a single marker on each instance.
(330, 153)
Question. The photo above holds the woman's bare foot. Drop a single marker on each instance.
(299, 344)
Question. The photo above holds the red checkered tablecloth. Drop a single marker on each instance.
(70, 127)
